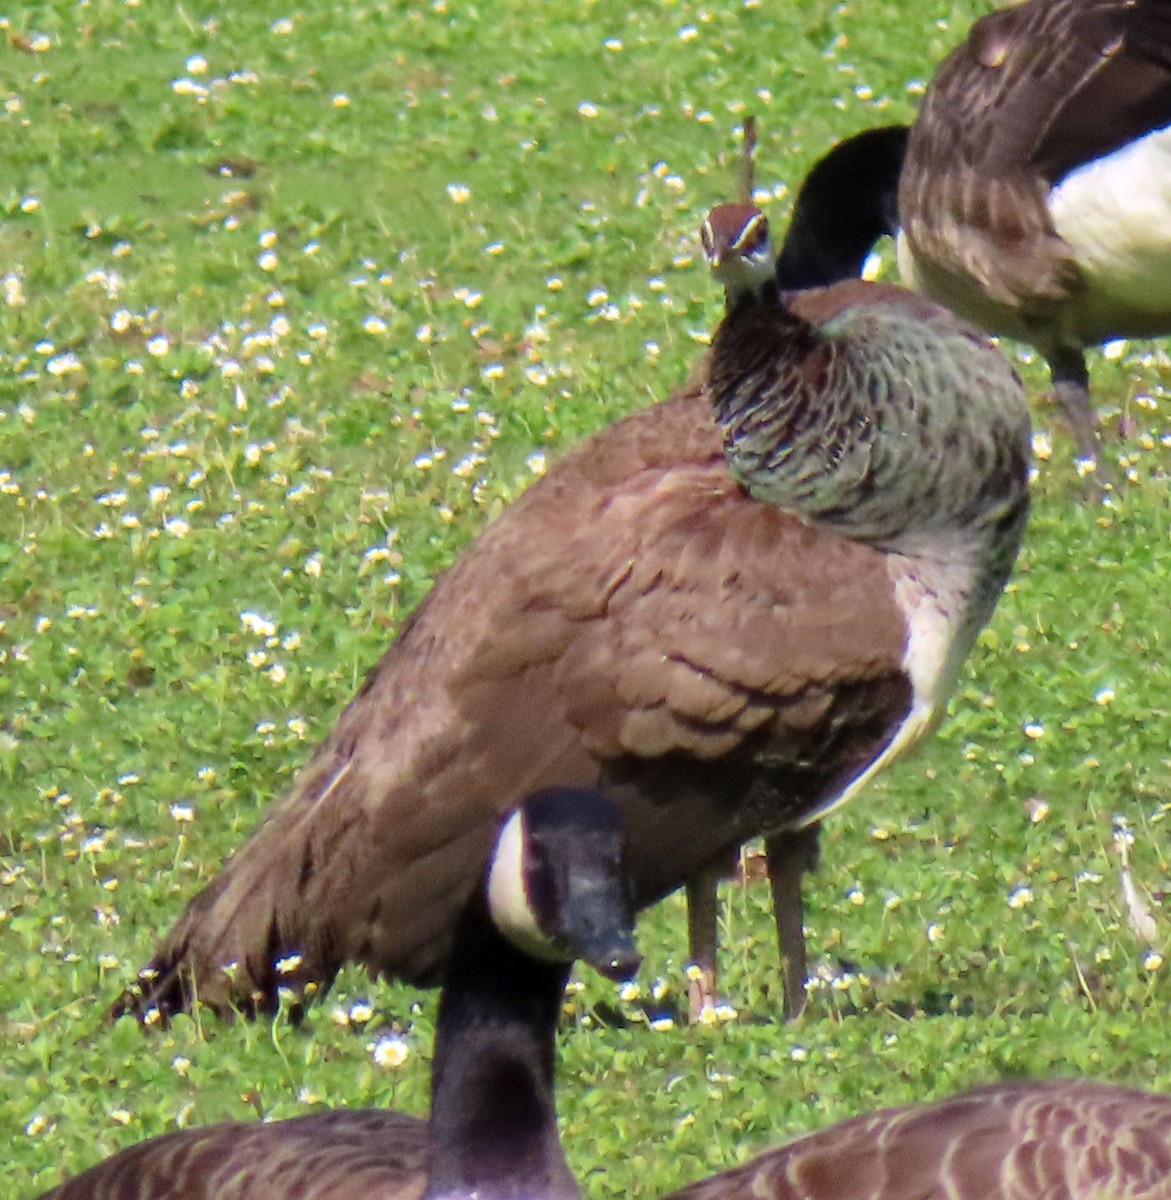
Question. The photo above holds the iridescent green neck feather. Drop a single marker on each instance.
(887, 419)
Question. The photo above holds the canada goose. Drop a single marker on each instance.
(554, 890)
(1067, 1139)
(728, 658)
(845, 204)
(1035, 197)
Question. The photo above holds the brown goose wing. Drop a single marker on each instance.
(1123, 91)
(1051, 84)
(1058, 1140)
(634, 618)
(365, 1155)
(1036, 90)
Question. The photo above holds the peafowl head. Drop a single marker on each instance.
(739, 250)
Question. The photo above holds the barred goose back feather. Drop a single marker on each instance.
(1072, 1139)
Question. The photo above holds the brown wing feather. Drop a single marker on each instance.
(636, 618)
(368, 1155)
(1051, 84)
(1058, 1140)
(1036, 90)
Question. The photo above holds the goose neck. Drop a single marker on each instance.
(493, 1114)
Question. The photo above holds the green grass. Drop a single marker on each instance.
(299, 390)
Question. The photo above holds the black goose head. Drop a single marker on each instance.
(557, 883)
(847, 202)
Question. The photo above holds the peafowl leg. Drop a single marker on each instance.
(790, 856)
(702, 935)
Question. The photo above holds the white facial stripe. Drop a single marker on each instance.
(748, 233)
(708, 238)
(508, 898)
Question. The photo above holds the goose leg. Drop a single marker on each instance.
(1071, 386)
(790, 856)
(701, 936)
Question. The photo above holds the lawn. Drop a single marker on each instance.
(292, 301)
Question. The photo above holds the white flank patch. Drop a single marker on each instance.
(905, 259)
(1116, 214)
(508, 897)
(935, 610)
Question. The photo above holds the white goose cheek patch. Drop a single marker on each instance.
(509, 903)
